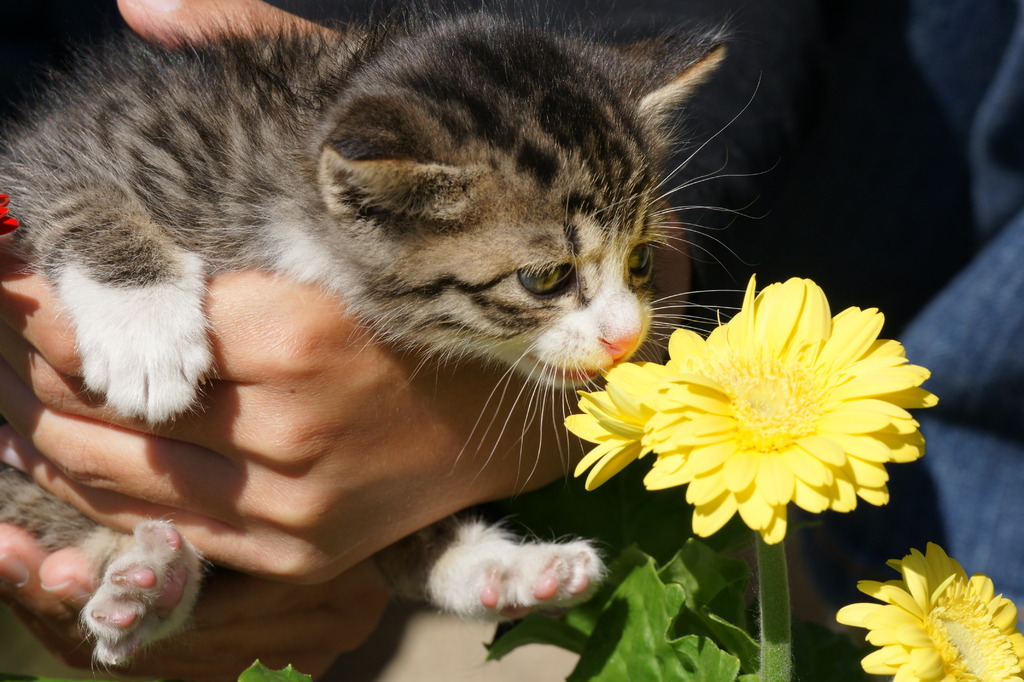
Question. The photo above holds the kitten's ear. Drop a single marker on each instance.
(665, 70)
(429, 190)
(381, 155)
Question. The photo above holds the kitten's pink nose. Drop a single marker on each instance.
(620, 346)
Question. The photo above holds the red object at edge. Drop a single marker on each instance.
(7, 224)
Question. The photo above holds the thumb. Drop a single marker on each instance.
(171, 22)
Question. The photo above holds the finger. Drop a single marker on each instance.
(29, 307)
(209, 510)
(219, 540)
(176, 21)
(287, 326)
(56, 390)
(185, 478)
(54, 586)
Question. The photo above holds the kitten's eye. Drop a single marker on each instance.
(641, 258)
(547, 282)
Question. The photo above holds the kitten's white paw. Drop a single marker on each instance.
(144, 348)
(146, 593)
(489, 574)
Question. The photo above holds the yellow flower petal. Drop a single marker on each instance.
(609, 447)
(807, 468)
(611, 464)
(586, 427)
(881, 382)
(880, 663)
(685, 344)
(775, 481)
(927, 664)
(853, 332)
(757, 513)
(659, 480)
(706, 458)
(856, 614)
(703, 489)
(847, 420)
(811, 498)
(937, 624)
(709, 518)
(740, 470)
(868, 474)
(874, 496)
(824, 449)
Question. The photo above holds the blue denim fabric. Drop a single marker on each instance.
(967, 493)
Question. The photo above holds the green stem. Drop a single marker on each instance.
(773, 599)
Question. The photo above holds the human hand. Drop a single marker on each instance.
(239, 619)
(310, 452)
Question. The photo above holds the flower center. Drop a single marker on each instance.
(773, 403)
(972, 647)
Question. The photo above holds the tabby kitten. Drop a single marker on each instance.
(473, 186)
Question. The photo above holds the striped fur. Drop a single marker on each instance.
(414, 170)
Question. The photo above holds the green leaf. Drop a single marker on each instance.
(537, 629)
(730, 637)
(711, 580)
(585, 616)
(715, 599)
(258, 672)
(631, 638)
(704, 661)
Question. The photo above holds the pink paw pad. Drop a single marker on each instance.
(579, 586)
(136, 575)
(121, 618)
(173, 538)
(490, 595)
(546, 586)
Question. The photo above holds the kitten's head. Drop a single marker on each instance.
(500, 186)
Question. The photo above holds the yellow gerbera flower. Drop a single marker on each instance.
(615, 419)
(938, 625)
(783, 403)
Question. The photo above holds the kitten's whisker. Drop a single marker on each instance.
(671, 174)
(710, 175)
(697, 293)
(505, 424)
(717, 209)
(503, 384)
(699, 180)
(537, 389)
(688, 248)
(506, 381)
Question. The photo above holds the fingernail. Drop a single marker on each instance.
(13, 571)
(159, 5)
(10, 452)
(9, 455)
(69, 591)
